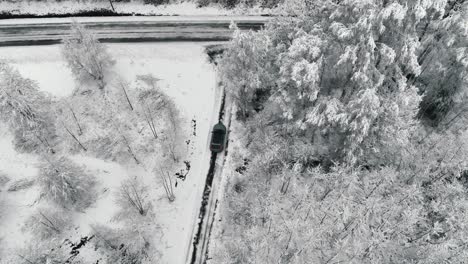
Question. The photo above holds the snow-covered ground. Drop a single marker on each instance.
(185, 75)
(49, 7)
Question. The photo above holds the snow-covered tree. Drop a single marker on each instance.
(87, 58)
(66, 183)
(346, 72)
(27, 111)
(348, 215)
(48, 222)
(161, 116)
(152, 103)
(340, 169)
(247, 65)
(443, 57)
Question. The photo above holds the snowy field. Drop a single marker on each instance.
(185, 75)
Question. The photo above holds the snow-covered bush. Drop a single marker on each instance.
(128, 245)
(4, 179)
(27, 111)
(43, 252)
(87, 58)
(66, 183)
(48, 222)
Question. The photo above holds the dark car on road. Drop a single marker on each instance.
(218, 138)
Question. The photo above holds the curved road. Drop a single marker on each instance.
(43, 31)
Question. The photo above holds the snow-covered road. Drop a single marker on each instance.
(127, 29)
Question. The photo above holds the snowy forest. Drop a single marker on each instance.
(352, 135)
(347, 138)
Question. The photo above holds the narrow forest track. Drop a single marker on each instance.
(21, 32)
(209, 202)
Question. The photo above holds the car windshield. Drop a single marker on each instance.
(218, 136)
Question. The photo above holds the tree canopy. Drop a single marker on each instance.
(355, 134)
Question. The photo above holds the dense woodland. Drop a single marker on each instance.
(355, 142)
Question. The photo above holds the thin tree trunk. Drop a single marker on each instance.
(130, 150)
(126, 96)
(74, 137)
(167, 184)
(44, 142)
(285, 186)
(49, 223)
(25, 259)
(138, 200)
(150, 120)
(112, 5)
(80, 131)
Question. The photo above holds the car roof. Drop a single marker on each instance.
(220, 127)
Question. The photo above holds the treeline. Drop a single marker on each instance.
(246, 3)
(354, 146)
(201, 3)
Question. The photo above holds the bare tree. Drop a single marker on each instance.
(152, 102)
(172, 132)
(133, 194)
(167, 184)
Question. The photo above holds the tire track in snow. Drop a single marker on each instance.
(201, 237)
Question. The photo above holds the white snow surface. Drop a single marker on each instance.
(186, 76)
